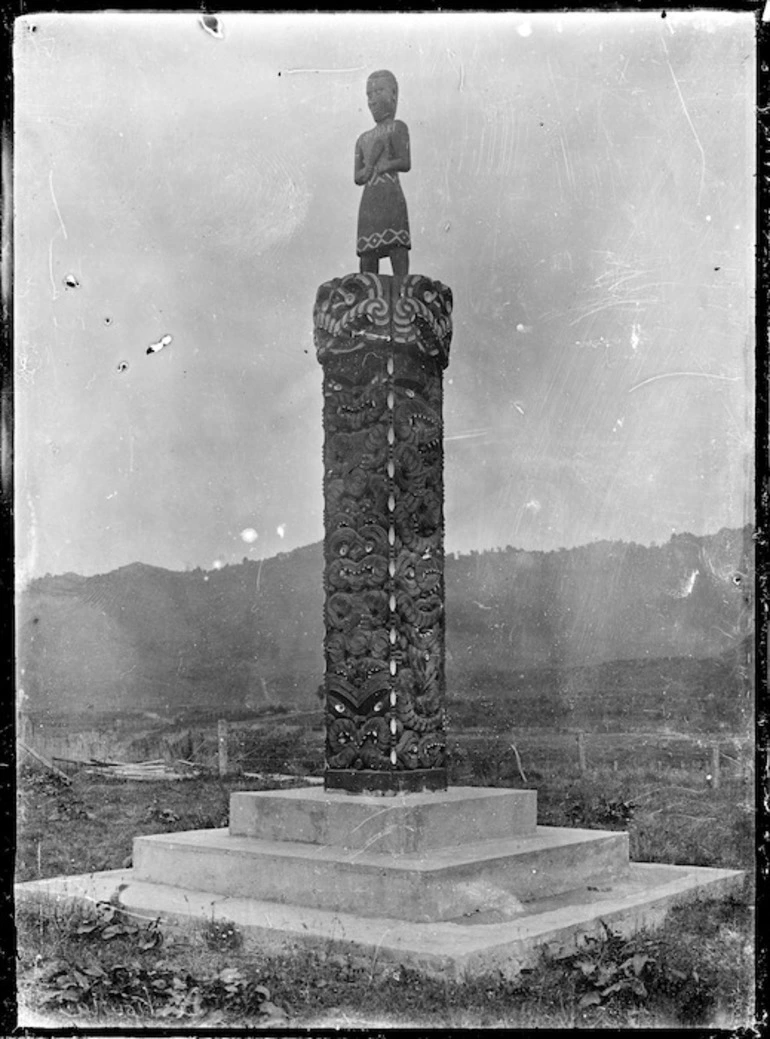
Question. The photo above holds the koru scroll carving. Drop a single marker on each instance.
(383, 344)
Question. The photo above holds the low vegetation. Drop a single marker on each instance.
(98, 965)
(90, 823)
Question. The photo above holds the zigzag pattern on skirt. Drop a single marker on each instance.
(380, 238)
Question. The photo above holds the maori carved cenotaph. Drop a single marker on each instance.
(383, 343)
(461, 880)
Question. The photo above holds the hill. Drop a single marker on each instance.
(144, 638)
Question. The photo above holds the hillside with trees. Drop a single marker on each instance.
(250, 635)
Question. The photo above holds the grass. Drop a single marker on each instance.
(671, 813)
(696, 970)
(90, 824)
(103, 968)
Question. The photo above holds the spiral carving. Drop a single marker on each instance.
(383, 346)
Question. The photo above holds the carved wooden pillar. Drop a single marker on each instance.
(383, 344)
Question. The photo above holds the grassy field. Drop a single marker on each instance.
(697, 970)
(102, 969)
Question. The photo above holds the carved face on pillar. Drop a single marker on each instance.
(382, 95)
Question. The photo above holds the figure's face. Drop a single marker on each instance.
(381, 98)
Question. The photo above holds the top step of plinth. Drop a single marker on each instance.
(400, 824)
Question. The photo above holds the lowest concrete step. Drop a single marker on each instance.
(499, 875)
(456, 948)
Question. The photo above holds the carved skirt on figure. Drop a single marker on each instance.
(382, 217)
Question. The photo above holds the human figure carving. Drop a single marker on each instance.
(381, 154)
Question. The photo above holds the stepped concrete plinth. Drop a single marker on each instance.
(435, 885)
(457, 882)
(422, 856)
(399, 824)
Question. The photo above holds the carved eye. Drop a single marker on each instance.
(339, 708)
(378, 707)
(344, 550)
(410, 393)
(336, 386)
(369, 547)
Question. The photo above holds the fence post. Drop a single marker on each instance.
(222, 746)
(581, 743)
(715, 766)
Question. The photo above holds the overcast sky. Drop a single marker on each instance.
(583, 183)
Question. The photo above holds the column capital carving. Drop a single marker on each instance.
(364, 310)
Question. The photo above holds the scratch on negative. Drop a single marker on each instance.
(368, 819)
(370, 842)
(54, 293)
(466, 436)
(294, 72)
(689, 120)
(670, 375)
(55, 203)
(629, 302)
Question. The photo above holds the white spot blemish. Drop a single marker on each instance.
(217, 564)
(688, 586)
(533, 505)
(281, 530)
(635, 338)
(249, 535)
(525, 29)
(164, 340)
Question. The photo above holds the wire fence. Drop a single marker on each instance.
(294, 745)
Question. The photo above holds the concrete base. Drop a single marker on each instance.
(457, 881)
(399, 824)
(437, 885)
(468, 947)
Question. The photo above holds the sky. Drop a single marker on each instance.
(583, 183)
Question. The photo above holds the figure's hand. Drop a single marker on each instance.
(377, 149)
(366, 173)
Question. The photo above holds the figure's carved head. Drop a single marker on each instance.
(382, 94)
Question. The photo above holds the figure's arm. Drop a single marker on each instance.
(361, 172)
(400, 160)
